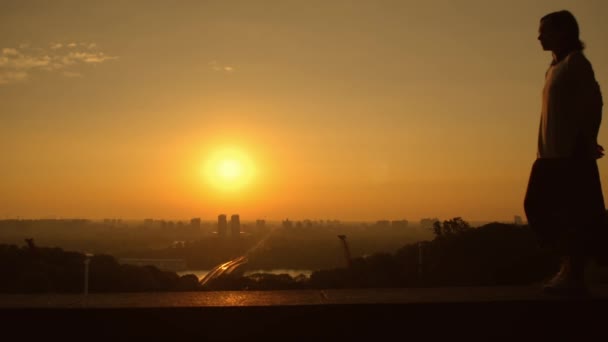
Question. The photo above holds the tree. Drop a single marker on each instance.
(450, 227)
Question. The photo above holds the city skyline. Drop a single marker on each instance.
(199, 221)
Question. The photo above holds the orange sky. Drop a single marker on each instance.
(346, 110)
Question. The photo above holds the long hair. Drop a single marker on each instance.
(565, 22)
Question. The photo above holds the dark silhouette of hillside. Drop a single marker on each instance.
(495, 254)
(33, 269)
(303, 245)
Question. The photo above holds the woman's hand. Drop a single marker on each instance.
(599, 152)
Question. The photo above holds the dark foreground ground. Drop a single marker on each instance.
(516, 313)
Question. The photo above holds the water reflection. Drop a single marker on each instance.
(200, 274)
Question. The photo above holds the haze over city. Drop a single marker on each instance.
(301, 109)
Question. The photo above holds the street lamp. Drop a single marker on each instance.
(420, 262)
(87, 261)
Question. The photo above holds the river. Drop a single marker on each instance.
(293, 273)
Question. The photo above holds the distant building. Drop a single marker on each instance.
(287, 224)
(383, 223)
(195, 223)
(111, 222)
(427, 223)
(235, 225)
(260, 225)
(222, 225)
(518, 221)
(399, 224)
(148, 222)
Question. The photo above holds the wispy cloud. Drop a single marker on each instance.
(215, 66)
(12, 77)
(87, 57)
(10, 52)
(19, 64)
(72, 74)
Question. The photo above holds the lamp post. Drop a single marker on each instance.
(420, 254)
(87, 261)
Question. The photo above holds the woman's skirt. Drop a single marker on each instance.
(564, 202)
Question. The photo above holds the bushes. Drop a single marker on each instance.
(52, 270)
(494, 254)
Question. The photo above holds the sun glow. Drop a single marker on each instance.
(229, 169)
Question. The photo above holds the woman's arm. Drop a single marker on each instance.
(587, 101)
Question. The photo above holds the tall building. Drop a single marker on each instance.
(195, 223)
(222, 225)
(260, 225)
(235, 225)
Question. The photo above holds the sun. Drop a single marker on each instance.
(229, 169)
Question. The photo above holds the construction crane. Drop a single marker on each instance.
(346, 250)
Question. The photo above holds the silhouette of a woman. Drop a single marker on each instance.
(564, 203)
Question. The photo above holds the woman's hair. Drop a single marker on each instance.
(565, 22)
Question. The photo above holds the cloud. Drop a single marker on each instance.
(87, 57)
(29, 62)
(72, 74)
(10, 52)
(12, 77)
(17, 65)
(73, 45)
(214, 65)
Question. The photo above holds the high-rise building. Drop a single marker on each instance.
(260, 225)
(195, 223)
(222, 225)
(235, 225)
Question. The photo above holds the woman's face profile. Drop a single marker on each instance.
(549, 38)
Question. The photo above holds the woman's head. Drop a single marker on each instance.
(559, 31)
